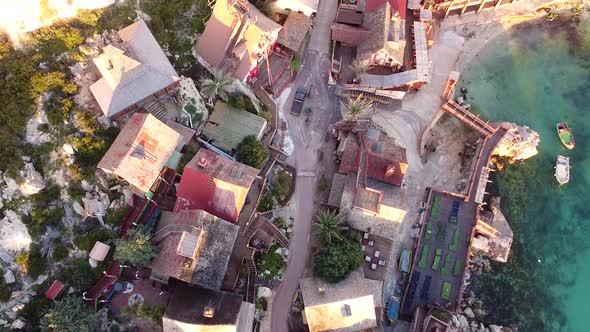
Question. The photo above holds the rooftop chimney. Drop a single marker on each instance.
(208, 312)
(202, 162)
(390, 170)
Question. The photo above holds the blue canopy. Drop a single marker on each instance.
(393, 308)
(404, 261)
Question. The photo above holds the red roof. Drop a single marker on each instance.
(393, 158)
(396, 5)
(214, 184)
(348, 34)
(54, 290)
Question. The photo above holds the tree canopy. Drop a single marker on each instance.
(337, 260)
(217, 87)
(70, 314)
(137, 248)
(252, 152)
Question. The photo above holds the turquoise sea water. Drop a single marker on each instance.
(538, 75)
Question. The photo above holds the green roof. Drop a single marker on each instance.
(227, 126)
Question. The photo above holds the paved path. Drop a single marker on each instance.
(320, 35)
(307, 140)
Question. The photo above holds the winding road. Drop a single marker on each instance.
(307, 141)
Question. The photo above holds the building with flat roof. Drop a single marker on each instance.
(199, 309)
(193, 246)
(441, 255)
(132, 70)
(214, 184)
(144, 148)
(228, 126)
(349, 305)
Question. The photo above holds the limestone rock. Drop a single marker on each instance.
(519, 143)
(468, 312)
(68, 149)
(9, 277)
(463, 323)
(5, 256)
(18, 307)
(78, 208)
(495, 328)
(264, 292)
(87, 186)
(18, 324)
(34, 181)
(14, 236)
(10, 189)
(455, 321)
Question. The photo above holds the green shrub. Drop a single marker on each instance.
(141, 310)
(279, 222)
(270, 261)
(5, 289)
(33, 310)
(87, 241)
(252, 152)
(189, 153)
(265, 203)
(60, 252)
(80, 274)
(115, 217)
(335, 261)
(281, 184)
(32, 262)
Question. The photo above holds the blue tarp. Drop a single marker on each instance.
(393, 308)
(404, 261)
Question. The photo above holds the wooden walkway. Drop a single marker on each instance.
(470, 119)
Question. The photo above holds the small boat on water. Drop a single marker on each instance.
(562, 169)
(565, 135)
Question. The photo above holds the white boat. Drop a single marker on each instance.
(562, 169)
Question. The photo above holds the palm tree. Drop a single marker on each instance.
(217, 87)
(358, 68)
(354, 107)
(329, 227)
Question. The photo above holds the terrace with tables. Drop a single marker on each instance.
(376, 252)
(441, 253)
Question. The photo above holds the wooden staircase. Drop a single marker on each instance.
(251, 287)
(369, 95)
(270, 283)
(156, 109)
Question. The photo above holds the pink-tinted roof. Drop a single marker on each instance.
(396, 5)
(214, 184)
(141, 150)
(378, 162)
(54, 290)
(348, 34)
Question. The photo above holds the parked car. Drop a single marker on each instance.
(300, 95)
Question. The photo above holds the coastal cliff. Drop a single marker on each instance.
(519, 143)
